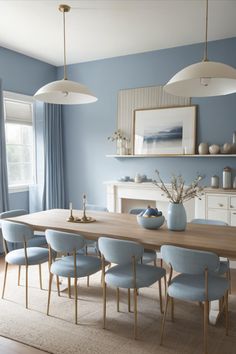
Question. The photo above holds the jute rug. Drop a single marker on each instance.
(58, 334)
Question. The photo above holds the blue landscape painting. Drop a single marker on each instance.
(168, 134)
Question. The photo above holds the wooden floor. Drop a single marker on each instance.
(9, 346)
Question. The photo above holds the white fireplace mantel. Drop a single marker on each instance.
(122, 196)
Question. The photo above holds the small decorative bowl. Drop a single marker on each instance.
(153, 222)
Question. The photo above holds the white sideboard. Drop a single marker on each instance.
(123, 196)
(217, 204)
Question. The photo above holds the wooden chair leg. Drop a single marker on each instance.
(104, 304)
(88, 281)
(172, 309)
(155, 262)
(228, 275)
(165, 284)
(161, 262)
(69, 288)
(206, 320)
(58, 285)
(76, 300)
(26, 286)
(226, 314)
(5, 279)
(160, 296)
(135, 315)
(49, 291)
(19, 269)
(164, 318)
(118, 299)
(129, 304)
(40, 277)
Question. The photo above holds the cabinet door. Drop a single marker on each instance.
(232, 202)
(218, 214)
(233, 218)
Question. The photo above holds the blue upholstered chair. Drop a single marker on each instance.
(27, 256)
(128, 273)
(38, 240)
(198, 281)
(72, 266)
(224, 262)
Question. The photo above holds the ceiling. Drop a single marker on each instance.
(103, 29)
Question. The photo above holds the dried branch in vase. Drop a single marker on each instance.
(177, 192)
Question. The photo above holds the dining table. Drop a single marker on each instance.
(214, 238)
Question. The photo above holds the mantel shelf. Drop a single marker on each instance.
(179, 155)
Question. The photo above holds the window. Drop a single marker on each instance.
(19, 139)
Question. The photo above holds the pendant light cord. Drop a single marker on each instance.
(205, 58)
(64, 40)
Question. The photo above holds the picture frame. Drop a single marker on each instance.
(165, 131)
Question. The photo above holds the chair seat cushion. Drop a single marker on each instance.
(192, 288)
(35, 255)
(86, 265)
(121, 276)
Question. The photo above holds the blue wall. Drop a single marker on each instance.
(87, 127)
(24, 75)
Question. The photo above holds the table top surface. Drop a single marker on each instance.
(218, 239)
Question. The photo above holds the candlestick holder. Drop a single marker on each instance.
(85, 219)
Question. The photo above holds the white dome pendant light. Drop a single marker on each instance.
(65, 91)
(204, 79)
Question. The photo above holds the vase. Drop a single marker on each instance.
(120, 148)
(176, 217)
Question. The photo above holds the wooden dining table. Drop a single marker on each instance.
(214, 238)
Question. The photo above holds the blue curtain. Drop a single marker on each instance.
(4, 197)
(54, 194)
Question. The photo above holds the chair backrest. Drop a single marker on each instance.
(189, 261)
(12, 213)
(96, 207)
(209, 222)
(16, 232)
(136, 211)
(119, 251)
(64, 241)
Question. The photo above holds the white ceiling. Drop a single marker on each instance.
(99, 29)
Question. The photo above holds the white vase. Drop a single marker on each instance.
(120, 148)
(176, 217)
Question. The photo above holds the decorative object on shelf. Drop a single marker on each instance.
(226, 148)
(168, 130)
(138, 178)
(177, 195)
(120, 140)
(65, 91)
(150, 218)
(215, 182)
(203, 79)
(214, 149)
(227, 178)
(203, 149)
(233, 148)
(234, 184)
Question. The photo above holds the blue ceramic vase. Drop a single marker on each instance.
(176, 218)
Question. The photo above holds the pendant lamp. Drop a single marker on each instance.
(65, 91)
(204, 79)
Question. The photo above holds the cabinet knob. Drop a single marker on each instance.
(220, 205)
(231, 206)
(234, 213)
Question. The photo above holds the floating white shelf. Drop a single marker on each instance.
(135, 156)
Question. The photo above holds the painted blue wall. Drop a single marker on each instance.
(25, 75)
(87, 127)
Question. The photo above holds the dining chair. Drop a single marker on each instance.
(127, 272)
(38, 240)
(224, 262)
(73, 265)
(148, 255)
(198, 281)
(26, 256)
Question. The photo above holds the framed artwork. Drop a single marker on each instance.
(165, 131)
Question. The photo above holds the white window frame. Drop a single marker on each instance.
(24, 99)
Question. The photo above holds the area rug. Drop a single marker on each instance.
(58, 334)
